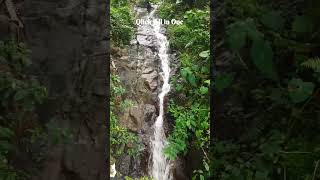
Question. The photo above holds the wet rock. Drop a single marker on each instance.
(149, 112)
(123, 165)
(179, 169)
(151, 79)
(132, 118)
(136, 115)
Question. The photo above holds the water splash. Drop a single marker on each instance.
(160, 169)
(113, 170)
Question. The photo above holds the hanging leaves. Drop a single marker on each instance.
(262, 56)
(236, 35)
(187, 74)
(273, 20)
(299, 90)
(192, 79)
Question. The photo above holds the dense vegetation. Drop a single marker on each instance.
(122, 28)
(268, 84)
(19, 96)
(20, 129)
(191, 42)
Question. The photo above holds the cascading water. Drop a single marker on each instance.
(160, 167)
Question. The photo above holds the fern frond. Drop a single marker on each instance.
(313, 63)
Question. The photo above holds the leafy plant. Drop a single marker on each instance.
(20, 94)
(191, 41)
(121, 140)
(299, 91)
(313, 63)
(122, 26)
(269, 114)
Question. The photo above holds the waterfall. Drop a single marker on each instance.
(160, 166)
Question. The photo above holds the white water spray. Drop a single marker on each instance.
(160, 169)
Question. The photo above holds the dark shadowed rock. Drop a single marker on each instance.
(68, 43)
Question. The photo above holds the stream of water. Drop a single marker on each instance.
(160, 167)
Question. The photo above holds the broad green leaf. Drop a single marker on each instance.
(179, 87)
(204, 70)
(201, 177)
(223, 80)
(204, 90)
(206, 166)
(273, 20)
(262, 56)
(20, 95)
(205, 54)
(299, 90)
(5, 132)
(236, 36)
(253, 33)
(192, 79)
(184, 72)
(302, 24)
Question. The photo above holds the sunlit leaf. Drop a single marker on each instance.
(205, 54)
(204, 90)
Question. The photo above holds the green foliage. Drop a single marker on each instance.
(261, 50)
(121, 140)
(191, 41)
(166, 10)
(273, 20)
(122, 23)
(20, 94)
(299, 91)
(193, 121)
(57, 135)
(313, 63)
(273, 111)
(262, 56)
(7, 172)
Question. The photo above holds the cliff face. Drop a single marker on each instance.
(68, 40)
(138, 67)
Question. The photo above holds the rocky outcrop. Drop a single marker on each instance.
(138, 69)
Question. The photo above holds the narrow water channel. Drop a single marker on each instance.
(160, 166)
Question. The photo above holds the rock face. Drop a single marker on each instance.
(138, 69)
(69, 54)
